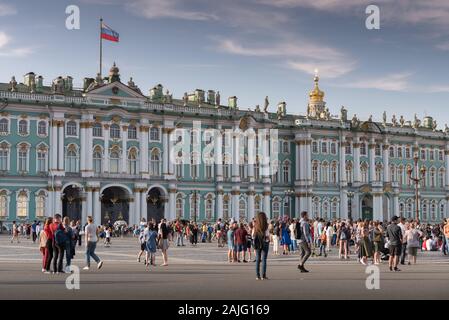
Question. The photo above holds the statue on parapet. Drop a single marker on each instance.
(343, 114)
(267, 103)
(217, 99)
(355, 121)
(394, 121)
(402, 121)
(185, 99)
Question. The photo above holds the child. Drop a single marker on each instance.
(150, 245)
(107, 240)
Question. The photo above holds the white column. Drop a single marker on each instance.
(171, 204)
(84, 208)
(235, 196)
(96, 205)
(89, 147)
(49, 203)
(166, 151)
(137, 204)
(144, 140)
(219, 205)
(125, 149)
(297, 160)
(386, 161)
(267, 202)
(342, 161)
(395, 203)
(61, 148)
(132, 211)
(58, 201)
(143, 204)
(106, 149)
(235, 158)
(344, 204)
(89, 204)
(308, 163)
(219, 156)
(54, 147)
(356, 164)
(83, 146)
(251, 212)
(446, 163)
(377, 206)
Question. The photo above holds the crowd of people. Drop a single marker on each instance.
(397, 241)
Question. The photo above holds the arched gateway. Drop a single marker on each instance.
(156, 201)
(114, 204)
(72, 202)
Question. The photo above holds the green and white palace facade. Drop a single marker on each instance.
(110, 151)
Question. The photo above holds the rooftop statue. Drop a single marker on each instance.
(355, 121)
(434, 125)
(217, 99)
(13, 84)
(402, 121)
(343, 114)
(257, 108)
(394, 121)
(384, 118)
(267, 103)
(370, 119)
(416, 122)
(185, 99)
(446, 128)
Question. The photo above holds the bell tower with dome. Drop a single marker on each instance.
(317, 105)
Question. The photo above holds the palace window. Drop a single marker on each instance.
(316, 207)
(377, 150)
(22, 204)
(431, 155)
(324, 147)
(348, 148)
(71, 129)
(408, 154)
(132, 161)
(209, 169)
(442, 209)
(325, 172)
(42, 128)
(179, 206)
(423, 154)
(409, 208)
(23, 127)
(401, 210)
(364, 172)
(286, 172)
(441, 174)
(325, 212)
(432, 178)
(4, 126)
(155, 134)
(315, 166)
(97, 159)
(42, 159)
(314, 147)
(399, 152)
(114, 162)
(333, 148)
(242, 210)
(132, 132)
(194, 165)
(226, 207)
(285, 147)
(276, 208)
(257, 204)
(40, 204)
(393, 173)
(333, 175)
(363, 149)
(378, 171)
(424, 210)
(4, 157)
(3, 204)
(349, 174)
(155, 163)
(433, 211)
(195, 206)
(97, 130)
(114, 131)
(391, 152)
(72, 159)
(22, 159)
(179, 165)
(334, 208)
(440, 155)
(257, 169)
(275, 171)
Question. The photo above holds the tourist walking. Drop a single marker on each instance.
(292, 229)
(91, 239)
(163, 241)
(394, 234)
(404, 226)
(179, 229)
(365, 246)
(141, 243)
(324, 240)
(276, 234)
(33, 231)
(15, 232)
(412, 236)
(150, 245)
(305, 240)
(261, 238)
(446, 234)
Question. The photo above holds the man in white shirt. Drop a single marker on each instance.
(402, 225)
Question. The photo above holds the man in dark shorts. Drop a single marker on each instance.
(394, 234)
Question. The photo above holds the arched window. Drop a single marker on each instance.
(195, 206)
(363, 149)
(424, 181)
(334, 177)
(22, 161)
(315, 178)
(42, 128)
(227, 167)
(325, 212)
(155, 162)
(349, 174)
(257, 204)
(179, 165)
(399, 152)
(40, 204)
(424, 208)
(242, 168)
(4, 126)
(393, 173)
(333, 148)
(3, 204)
(194, 165)
(72, 159)
(226, 207)
(97, 130)
(433, 211)
(22, 204)
(314, 147)
(71, 129)
(42, 152)
(364, 172)
(98, 159)
(132, 132)
(409, 208)
(276, 207)
(442, 209)
(209, 207)
(154, 134)
(286, 171)
(4, 156)
(401, 210)
(433, 177)
(334, 208)
(316, 207)
(441, 180)
(132, 161)
(378, 171)
(114, 161)
(391, 152)
(324, 172)
(179, 206)
(242, 210)
(23, 127)
(114, 131)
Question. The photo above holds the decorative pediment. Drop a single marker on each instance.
(114, 90)
(369, 126)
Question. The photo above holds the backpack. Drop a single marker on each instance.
(343, 235)
(298, 230)
(258, 241)
(60, 237)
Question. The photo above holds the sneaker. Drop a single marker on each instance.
(264, 278)
(397, 269)
(391, 268)
(99, 265)
(47, 272)
(86, 268)
(245, 261)
(43, 270)
(258, 278)
(362, 262)
(304, 270)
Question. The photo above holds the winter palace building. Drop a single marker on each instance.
(106, 150)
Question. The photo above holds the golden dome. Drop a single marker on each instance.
(316, 95)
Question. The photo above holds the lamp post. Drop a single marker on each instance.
(350, 196)
(288, 193)
(419, 175)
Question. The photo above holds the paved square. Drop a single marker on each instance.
(203, 273)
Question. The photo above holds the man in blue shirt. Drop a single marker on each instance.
(305, 240)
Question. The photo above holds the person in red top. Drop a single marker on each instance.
(58, 256)
(240, 240)
(48, 253)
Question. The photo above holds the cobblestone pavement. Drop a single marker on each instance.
(202, 272)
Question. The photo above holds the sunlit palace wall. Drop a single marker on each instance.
(104, 150)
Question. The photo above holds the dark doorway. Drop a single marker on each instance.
(155, 205)
(72, 203)
(367, 207)
(114, 205)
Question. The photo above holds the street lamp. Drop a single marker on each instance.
(419, 175)
(350, 196)
(288, 193)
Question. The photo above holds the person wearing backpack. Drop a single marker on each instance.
(261, 238)
(57, 258)
(343, 236)
(60, 248)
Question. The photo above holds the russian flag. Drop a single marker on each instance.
(109, 34)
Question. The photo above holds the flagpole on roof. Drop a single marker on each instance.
(101, 47)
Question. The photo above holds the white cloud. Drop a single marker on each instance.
(168, 9)
(4, 39)
(328, 69)
(7, 10)
(5, 51)
(391, 82)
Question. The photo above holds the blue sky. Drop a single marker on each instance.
(247, 48)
